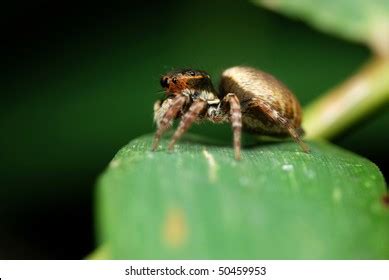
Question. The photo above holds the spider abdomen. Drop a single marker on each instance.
(266, 103)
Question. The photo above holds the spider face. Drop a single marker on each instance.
(250, 99)
(177, 81)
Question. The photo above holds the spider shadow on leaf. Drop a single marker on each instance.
(249, 141)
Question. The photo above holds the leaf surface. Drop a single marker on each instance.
(276, 203)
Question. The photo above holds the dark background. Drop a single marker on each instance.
(78, 81)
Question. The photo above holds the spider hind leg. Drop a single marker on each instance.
(295, 132)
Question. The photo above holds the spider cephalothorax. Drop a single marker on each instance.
(247, 98)
(176, 81)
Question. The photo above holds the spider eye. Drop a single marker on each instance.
(174, 80)
(192, 73)
(164, 82)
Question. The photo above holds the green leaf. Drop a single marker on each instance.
(276, 203)
(357, 20)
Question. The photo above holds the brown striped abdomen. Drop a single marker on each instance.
(261, 95)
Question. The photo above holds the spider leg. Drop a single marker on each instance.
(236, 121)
(295, 133)
(190, 116)
(165, 120)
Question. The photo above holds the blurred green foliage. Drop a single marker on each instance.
(357, 20)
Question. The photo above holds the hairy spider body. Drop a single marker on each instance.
(248, 98)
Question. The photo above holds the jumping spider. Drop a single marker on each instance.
(248, 98)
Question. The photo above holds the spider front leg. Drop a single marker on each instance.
(236, 121)
(190, 116)
(164, 115)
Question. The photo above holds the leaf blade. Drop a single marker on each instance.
(277, 203)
